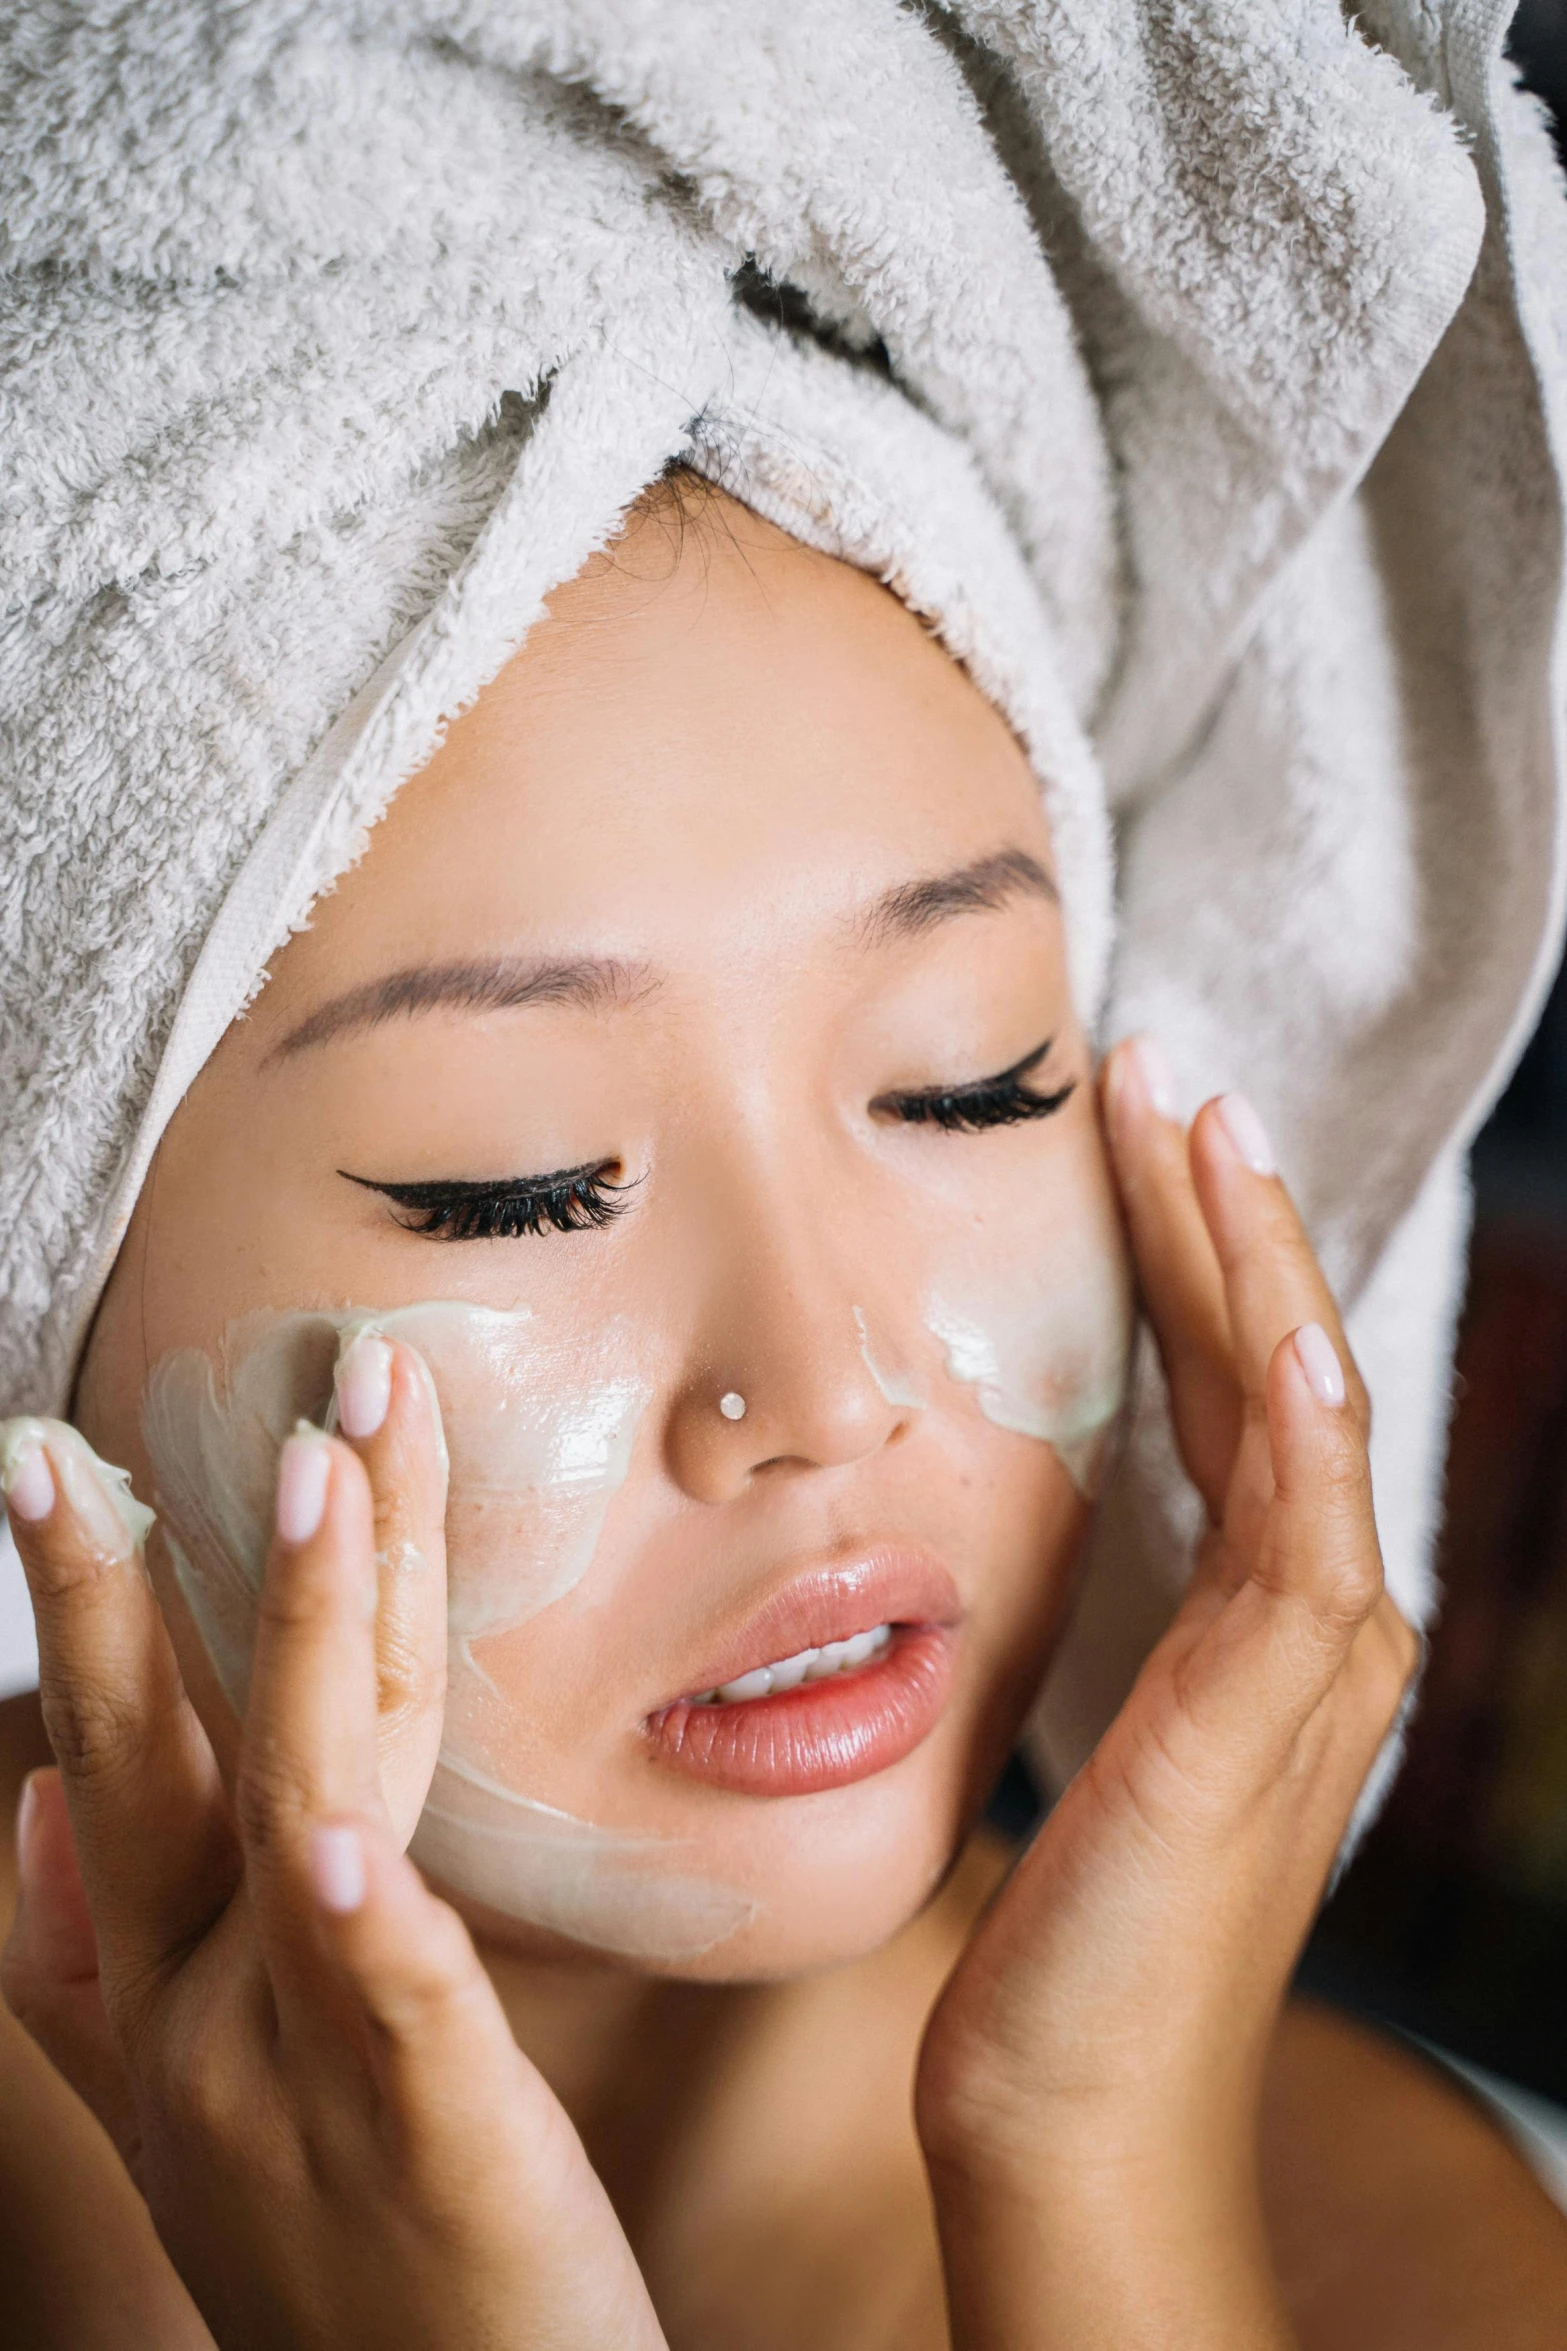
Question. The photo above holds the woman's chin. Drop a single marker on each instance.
(805, 1898)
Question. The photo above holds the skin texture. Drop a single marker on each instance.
(351, 2123)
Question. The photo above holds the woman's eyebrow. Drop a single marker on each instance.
(490, 984)
(912, 907)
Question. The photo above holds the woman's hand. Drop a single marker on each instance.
(1089, 2083)
(290, 2039)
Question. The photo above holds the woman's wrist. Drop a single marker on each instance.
(1100, 2241)
(1170, 2105)
(1084, 2218)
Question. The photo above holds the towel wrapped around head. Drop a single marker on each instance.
(1195, 371)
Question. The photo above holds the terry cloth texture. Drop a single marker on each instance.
(1195, 369)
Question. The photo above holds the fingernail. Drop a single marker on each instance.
(1157, 1080)
(1318, 1359)
(302, 1474)
(337, 1868)
(1248, 1136)
(364, 1385)
(25, 1472)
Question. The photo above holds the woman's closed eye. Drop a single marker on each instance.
(1000, 1101)
(503, 1208)
(579, 1199)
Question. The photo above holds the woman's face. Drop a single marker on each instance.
(720, 934)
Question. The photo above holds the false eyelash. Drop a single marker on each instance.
(1001, 1101)
(573, 1200)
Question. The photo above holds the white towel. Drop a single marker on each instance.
(1196, 366)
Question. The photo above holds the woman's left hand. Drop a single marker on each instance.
(1089, 2084)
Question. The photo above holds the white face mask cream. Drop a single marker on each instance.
(1044, 1340)
(897, 1387)
(539, 1439)
(613, 1888)
(1049, 1361)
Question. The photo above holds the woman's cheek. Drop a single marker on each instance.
(540, 1432)
(1023, 1307)
(1000, 1335)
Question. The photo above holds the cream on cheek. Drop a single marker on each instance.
(1035, 1316)
(540, 1437)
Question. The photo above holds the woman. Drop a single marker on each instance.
(690, 1086)
(769, 1051)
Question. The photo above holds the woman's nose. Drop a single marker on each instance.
(779, 1381)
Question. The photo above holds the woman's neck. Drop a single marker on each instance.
(708, 2108)
(625, 2053)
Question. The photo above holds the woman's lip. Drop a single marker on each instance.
(888, 1583)
(820, 1734)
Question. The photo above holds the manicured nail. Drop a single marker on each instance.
(337, 1868)
(29, 1481)
(1318, 1359)
(1157, 1079)
(364, 1385)
(1248, 1136)
(302, 1476)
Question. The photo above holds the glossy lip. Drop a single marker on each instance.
(823, 1734)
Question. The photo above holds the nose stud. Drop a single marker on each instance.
(732, 1406)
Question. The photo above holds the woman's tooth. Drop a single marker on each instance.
(807, 1665)
(749, 1685)
(790, 1672)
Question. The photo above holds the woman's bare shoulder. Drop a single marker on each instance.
(83, 2270)
(1400, 2214)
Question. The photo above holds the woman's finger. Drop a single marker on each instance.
(308, 1750)
(150, 1828)
(1178, 1274)
(1273, 1286)
(1274, 1652)
(432, 2013)
(476, 2135)
(386, 1409)
(49, 1971)
(1273, 1283)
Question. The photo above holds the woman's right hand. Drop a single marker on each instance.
(291, 2040)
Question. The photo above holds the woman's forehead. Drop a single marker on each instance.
(761, 745)
(510, 982)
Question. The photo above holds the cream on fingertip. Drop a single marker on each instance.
(363, 1381)
(1247, 1135)
(337, 1868)
(99, 1493)
(1318, 1360)
(304, 1471)
(24, 1471)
